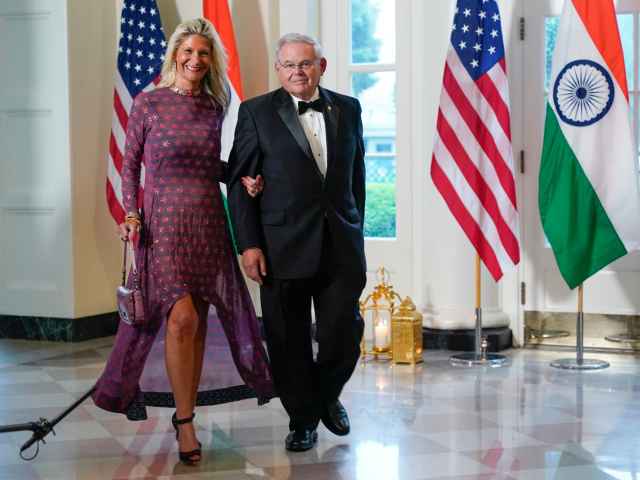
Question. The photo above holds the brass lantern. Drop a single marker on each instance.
(378, 309)
(406, 333)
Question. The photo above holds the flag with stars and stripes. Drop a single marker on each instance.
(472, 162)
(140, 55)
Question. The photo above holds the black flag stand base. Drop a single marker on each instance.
(42, 427)
(579, 363)
(480, 357)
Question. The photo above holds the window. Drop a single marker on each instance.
(372, 71)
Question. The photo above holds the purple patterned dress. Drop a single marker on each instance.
(184, 247)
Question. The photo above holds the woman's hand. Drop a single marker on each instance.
(128, 230)
(254, 186)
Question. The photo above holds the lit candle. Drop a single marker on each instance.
(381, 336)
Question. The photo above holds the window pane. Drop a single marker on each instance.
(550, 34)
(376, 92)
(625, 25)
(380, 211)
(373, 31)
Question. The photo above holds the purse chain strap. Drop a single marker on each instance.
(133, 264)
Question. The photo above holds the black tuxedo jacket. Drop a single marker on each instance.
(286, 221)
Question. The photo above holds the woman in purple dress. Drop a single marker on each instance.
(185, 254)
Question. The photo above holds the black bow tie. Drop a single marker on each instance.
(304, 106)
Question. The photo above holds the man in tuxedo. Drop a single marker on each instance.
(302, 239)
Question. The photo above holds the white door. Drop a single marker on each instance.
(372, 63)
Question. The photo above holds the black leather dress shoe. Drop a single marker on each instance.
(301, 440)
(335, 418)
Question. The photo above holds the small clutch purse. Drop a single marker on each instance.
(130, 301)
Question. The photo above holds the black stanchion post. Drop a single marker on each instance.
(42, 427)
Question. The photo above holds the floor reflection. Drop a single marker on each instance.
(524, 420)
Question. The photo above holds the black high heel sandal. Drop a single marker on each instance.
(185, 457)
(174, 420)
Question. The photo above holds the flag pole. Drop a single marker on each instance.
(580, 328)
(478, 308)
(480, 357)
(579, 363)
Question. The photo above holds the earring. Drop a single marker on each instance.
(211, 71)
(174, 69)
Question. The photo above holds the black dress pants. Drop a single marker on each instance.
(304, 383)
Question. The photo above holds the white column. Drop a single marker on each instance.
(449, 274)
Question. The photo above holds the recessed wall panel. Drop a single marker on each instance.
(34, 274)
(28, 254)
(27, 139)
(607, 292)
(26, 36)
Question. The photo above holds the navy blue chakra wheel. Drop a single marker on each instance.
(583, 93)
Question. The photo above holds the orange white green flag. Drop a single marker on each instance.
(589, 197)
(217, 12)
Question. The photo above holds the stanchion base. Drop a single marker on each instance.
(549, 334)
(472, 359)
(622, 338)
(574, 364)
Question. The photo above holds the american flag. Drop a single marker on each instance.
(472, 163)
(140, 55)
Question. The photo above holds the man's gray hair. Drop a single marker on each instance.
(298, 38)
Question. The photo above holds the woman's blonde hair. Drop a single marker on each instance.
(215, 83)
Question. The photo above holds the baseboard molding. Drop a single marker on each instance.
(59, 329)
(465, 340)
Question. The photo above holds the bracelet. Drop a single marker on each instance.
(134, 218)
(132, 214)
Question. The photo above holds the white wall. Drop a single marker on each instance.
(97, 251)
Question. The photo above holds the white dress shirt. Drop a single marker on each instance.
(313, 125)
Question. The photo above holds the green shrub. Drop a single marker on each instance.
(380, 211)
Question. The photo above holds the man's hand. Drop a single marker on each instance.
(254, 264)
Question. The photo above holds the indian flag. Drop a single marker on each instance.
(589, 197)
(217, 12)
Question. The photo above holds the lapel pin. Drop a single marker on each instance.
(329, 107)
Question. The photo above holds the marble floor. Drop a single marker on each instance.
(523, 420)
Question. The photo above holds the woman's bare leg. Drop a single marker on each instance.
(180, 356)
(202, 309)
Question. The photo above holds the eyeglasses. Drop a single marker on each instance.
(306, 65)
